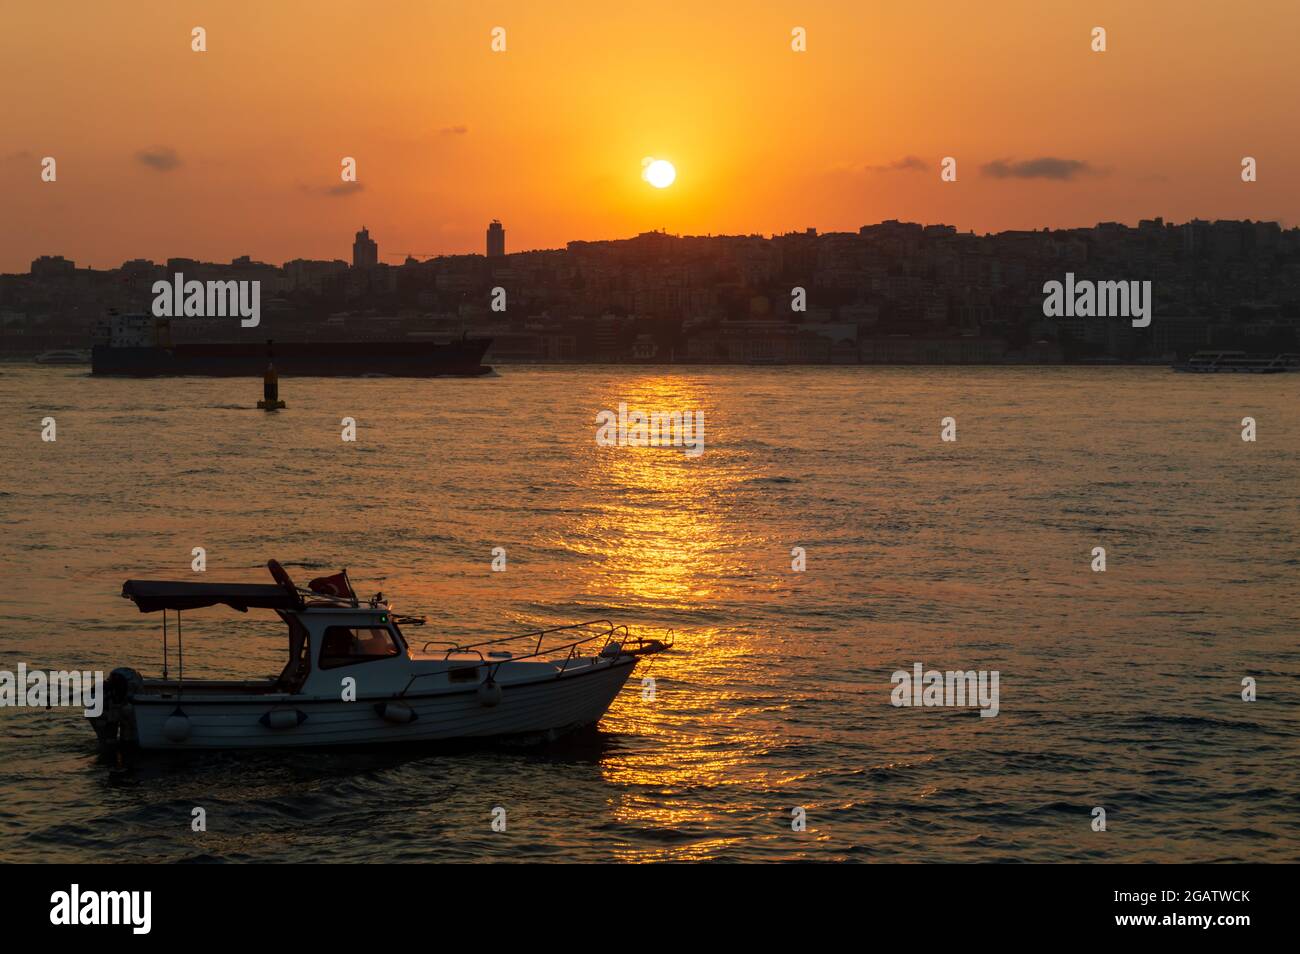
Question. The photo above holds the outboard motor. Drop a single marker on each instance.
(122, 684)
(116, 724)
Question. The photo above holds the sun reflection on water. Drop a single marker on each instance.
(658, 532)
(664, 542)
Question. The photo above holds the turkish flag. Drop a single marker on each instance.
(336, 585)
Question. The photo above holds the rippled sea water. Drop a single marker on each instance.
(1119, 689)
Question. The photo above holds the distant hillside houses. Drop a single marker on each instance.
(893, 292)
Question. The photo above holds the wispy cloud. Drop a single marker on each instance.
(341, 190)
(1046, 167)
(159, 158)
(453, 130)
(906, 164)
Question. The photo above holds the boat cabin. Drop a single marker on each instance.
(328, 637)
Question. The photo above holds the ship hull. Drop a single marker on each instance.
(404, 359)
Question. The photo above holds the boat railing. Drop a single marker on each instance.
(608, 634)
(311, 598)
(608, 628)
(317, 599)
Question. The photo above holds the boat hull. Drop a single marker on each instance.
(545, 707)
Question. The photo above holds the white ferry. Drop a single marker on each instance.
(1237, 362)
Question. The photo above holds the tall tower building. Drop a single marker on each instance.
(365, 251)
(496, 239)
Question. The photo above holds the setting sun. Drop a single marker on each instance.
(660, 173)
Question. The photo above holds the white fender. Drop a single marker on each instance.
(177, 727)
(399, 713)
(489, 694)
(283, 719)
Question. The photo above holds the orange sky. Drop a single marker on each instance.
(549, 136)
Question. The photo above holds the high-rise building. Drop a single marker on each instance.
(365, 252)
(496, 239)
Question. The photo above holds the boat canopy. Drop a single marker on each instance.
(153, 595)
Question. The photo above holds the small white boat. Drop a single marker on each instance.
(1237, 362)
(353, 678)
(64, 356)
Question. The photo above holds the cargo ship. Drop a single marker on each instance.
(139, 346)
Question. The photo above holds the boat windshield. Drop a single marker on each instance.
(347, 645)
